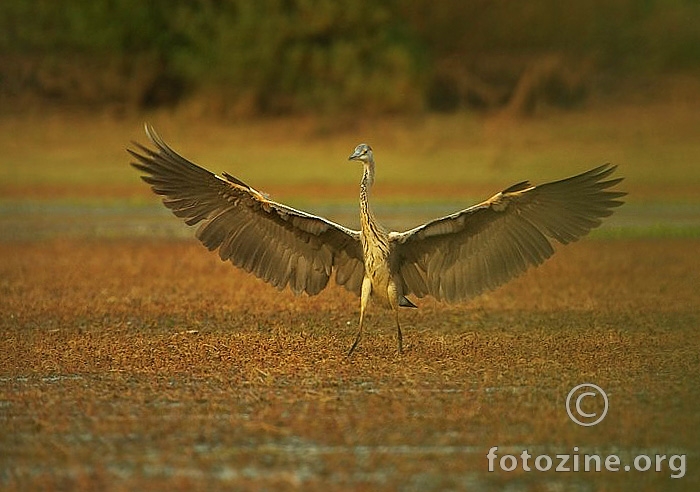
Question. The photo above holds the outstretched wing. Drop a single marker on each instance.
(484, 246)
(278, 244)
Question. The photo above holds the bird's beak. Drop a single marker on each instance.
(354, 156)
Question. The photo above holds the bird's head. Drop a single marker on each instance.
(363, 152)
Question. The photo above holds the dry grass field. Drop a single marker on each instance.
(133, 359)
(149, 365)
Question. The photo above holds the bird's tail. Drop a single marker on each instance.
(405, 302)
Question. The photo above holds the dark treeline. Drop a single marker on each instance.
(374, 56)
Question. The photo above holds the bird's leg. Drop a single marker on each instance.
(398, 331)
(359, 333)
(392, 292)
(364, 300)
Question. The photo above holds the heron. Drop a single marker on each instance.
(451, 258)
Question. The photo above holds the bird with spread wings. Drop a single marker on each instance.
(451, 258)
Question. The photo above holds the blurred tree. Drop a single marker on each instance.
(301, 55)
(281, 56)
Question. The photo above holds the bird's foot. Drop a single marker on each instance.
(354, 344)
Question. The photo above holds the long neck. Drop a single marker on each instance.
(365, 186)
(370, 226)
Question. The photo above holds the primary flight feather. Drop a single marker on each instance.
(450, 258)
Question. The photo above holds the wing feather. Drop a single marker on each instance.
(277, 243)
(484, 246)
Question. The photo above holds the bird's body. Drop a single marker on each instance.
(378, 281)
(450, 258)
(376, 248)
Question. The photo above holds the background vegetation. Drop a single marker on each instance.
(133, 359)
(327, 56)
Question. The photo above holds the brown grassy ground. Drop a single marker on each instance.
(150, 365)
(147, 364)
